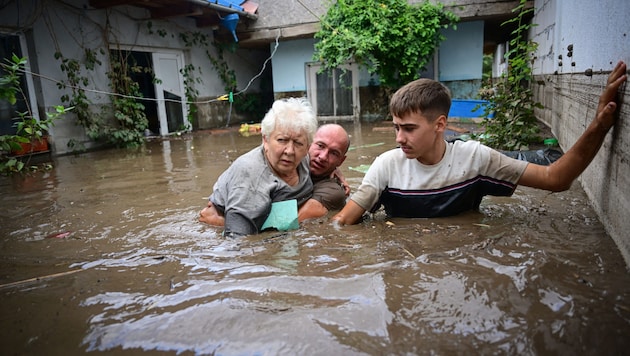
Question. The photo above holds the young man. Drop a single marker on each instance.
(428, 177)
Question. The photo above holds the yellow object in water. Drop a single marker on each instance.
(248, 129)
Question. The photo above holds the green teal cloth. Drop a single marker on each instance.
(361, 168)
(283, 216)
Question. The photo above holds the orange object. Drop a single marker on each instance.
(40, 145)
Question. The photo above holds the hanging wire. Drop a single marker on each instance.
(102, 92)
(275, 48)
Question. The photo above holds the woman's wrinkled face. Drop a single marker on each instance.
(284, 150)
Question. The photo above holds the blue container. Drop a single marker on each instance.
(466, 108)
(230, 21)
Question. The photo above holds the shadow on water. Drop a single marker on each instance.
(104, 253)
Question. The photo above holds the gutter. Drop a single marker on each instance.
(223, 8)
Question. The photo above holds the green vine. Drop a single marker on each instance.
(390, 38)
(511, 100)
(227, 75)
(78, 99)
(189, 90)
(128, 111)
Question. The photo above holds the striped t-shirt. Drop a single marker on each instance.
(467, 172)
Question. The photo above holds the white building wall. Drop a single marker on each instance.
(291, 57)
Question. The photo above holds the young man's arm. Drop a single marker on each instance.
(560, 175)
(350, 214)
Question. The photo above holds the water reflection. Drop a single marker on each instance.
(531, 274)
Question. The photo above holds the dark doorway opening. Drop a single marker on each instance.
(145, 78)
(9, 46)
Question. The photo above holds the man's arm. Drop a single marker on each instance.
(311, 209)
(350, 214)
(560, 175)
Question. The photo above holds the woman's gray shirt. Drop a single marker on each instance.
(245, 191)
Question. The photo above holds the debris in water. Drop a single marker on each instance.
(59, 235)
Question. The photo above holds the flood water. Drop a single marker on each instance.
(104, 254)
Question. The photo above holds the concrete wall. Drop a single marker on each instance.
(599, 34)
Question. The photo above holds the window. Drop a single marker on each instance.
(334, 95)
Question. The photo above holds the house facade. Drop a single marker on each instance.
(69, 46)
(266, 54)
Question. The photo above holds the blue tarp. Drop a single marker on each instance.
(465, 108)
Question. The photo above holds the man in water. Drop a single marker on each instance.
(430, 177)
(327, 152)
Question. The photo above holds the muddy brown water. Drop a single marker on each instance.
(130, 269)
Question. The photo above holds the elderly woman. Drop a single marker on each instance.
(276, 171)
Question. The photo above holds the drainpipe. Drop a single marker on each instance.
(224, 8)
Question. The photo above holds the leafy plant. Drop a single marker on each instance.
(191, 93)
(128, 111)
(390, 38)
(76, 81)
(514, 125)
(29, 129)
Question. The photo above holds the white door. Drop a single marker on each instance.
(334, 96)
(170, 92)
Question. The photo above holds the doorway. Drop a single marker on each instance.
(11, 44)
(162, 86)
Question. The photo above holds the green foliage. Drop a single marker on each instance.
(129, 113)
(514, 125)
(390, 38)
(77, 98)
(191, 93)
(28, 127)
(227, 75)
(251, 105)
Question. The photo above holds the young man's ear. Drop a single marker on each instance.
(440, 123)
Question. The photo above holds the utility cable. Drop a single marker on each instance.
(102, 92)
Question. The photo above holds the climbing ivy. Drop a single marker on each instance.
(76, 80)
(511, 100)
(128, 111)
(390, 38)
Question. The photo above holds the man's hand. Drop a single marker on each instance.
(337, 174)
(608, 99)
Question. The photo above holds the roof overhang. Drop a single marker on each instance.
(206, 13)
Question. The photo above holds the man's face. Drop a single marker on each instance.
(327, 151)
(418, 138)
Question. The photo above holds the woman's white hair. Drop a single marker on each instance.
(291, 114)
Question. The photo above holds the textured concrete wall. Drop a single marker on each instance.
(575, 38)
(570, 103)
